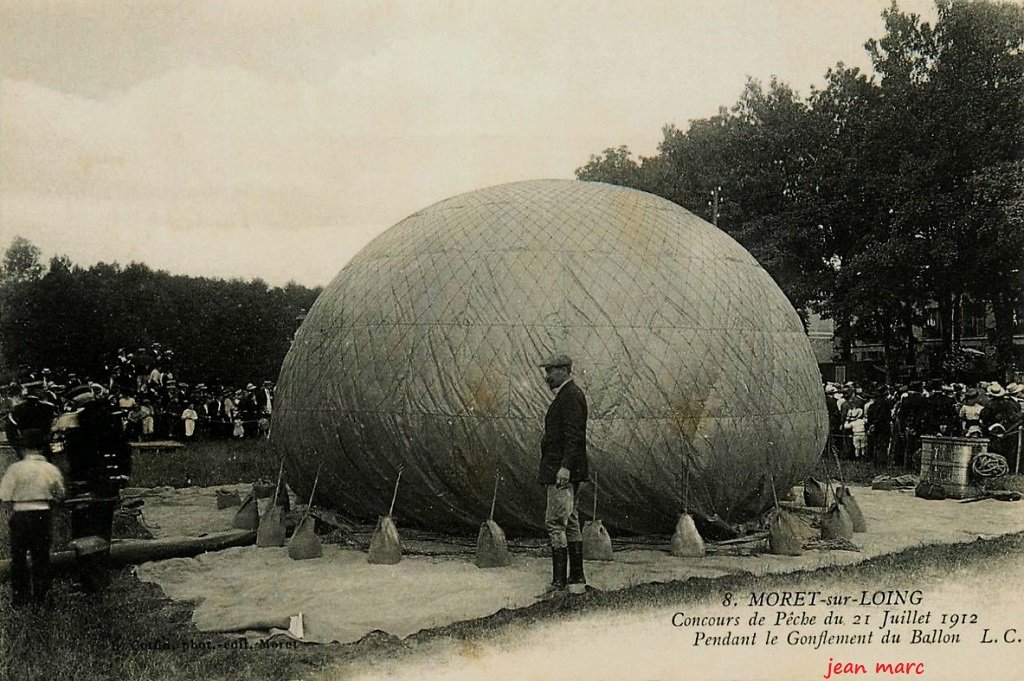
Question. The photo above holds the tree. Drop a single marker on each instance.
(881, 193)
(75, 318)
(22, 263)
(614, 166)
(21, 267)
(960, 89)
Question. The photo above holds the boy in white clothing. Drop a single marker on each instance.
(858, 425)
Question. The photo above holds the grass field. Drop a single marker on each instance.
(206, 463)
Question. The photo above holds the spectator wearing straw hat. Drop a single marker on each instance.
(970, 414)
(563, 466)
(1000, 420)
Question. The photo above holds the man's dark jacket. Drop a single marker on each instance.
(565, 436)
(941, 411)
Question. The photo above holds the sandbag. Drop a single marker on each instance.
(247, 517)
(271, 530)
(263, 489)
(597, 543)
(491, 546)
(385, 544)
(129, 524)
(304, 544)
(227, 499)
(686, 542)
(850, 505)
(784, 535)
(713, 527)
(816, 493)
(930, 490)
(836, 524)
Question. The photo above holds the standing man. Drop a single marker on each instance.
(31, 486)
(563, 466)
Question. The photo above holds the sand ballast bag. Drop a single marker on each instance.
(836, 524)
(491, 546)
(227, 499)
(304, 544)
(686, 541)
(597, 543)
(815, 493)
(784, 534)
(385, 545)
(930, 490)
(850, 505)
(271, 530)
(247, 517)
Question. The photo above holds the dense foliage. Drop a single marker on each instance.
(880, 194)
(70, 318)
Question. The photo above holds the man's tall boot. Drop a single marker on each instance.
(559, 563)
(577, 580)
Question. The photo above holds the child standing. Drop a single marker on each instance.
(239, 426)
(858, 425)
(146, 417)
(189, 416)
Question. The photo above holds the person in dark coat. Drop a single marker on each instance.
(835, 420)
(912, 414)
(879, 415)
(941, 415)
(563, 466)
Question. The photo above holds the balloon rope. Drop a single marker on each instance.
(315, 481)
(395, 495)
(595, 496)
(686, 491)
(280, 474)
(494, 499)
(309, 506)
(839, 467)
(828, 478)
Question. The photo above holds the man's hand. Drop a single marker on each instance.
(562, 478)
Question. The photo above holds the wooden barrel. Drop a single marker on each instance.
(946, 461)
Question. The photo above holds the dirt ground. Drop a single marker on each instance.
(643, 642)
(343, 598)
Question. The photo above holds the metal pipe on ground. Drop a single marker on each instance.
(133, 551)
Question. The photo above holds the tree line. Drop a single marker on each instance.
(880, 194)
(74, 319)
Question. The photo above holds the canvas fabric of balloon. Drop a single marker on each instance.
(423, 354)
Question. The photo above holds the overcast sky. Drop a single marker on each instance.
(275, 139)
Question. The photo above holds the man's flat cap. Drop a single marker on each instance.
(557, 361)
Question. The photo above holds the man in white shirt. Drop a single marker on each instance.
(30, 487)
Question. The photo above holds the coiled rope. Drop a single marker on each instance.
(989, 465)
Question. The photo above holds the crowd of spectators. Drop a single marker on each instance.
(884, 423)
(154, 403)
